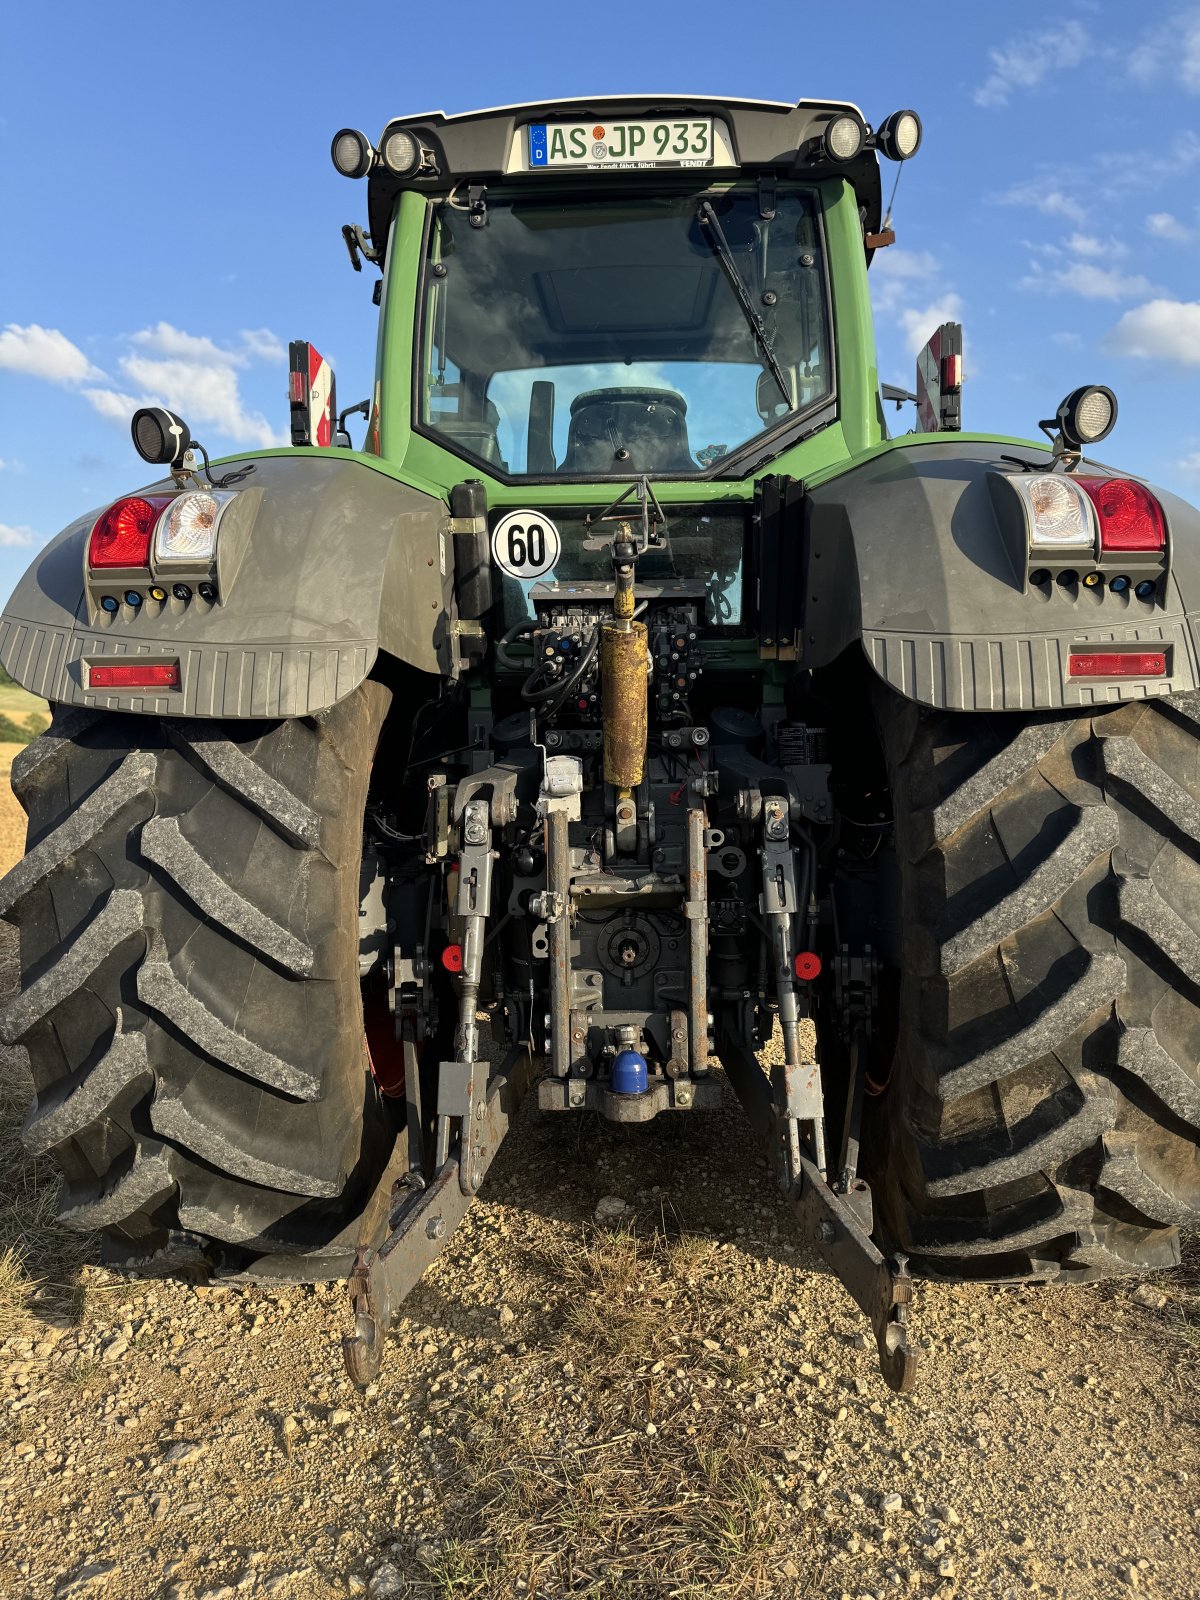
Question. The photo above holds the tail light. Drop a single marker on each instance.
(134, 675)
(1118, 664)
(1130, 517)
(121, 535)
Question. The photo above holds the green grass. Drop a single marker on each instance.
(22, 715)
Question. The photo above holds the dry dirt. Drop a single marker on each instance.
(680, 1405)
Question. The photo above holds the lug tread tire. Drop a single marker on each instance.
(188, 910)
(1043, 1117)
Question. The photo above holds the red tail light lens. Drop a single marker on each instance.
(134, 675)
(1119, 664)
(1130, 517)
(121, 535)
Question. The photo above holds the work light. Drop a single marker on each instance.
(159, 436)
(844, 138)
(1087, 415)
(900, 136)
(400, 151)
(352, 153)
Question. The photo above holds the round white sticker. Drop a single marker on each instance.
(525, 544)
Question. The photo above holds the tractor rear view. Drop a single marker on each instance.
(632, 691)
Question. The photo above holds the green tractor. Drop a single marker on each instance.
(632, 701)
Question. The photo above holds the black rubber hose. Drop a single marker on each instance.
(526, 625)
(560, 688)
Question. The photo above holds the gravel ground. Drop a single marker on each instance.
(676, 1403)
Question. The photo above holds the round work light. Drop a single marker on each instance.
(400, 151)
(352, 153)
(844, 138)
(900, 136)
(159, 436)
(1087, 415)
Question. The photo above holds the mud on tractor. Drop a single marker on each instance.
(632, 688)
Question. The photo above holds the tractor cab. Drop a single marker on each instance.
(627, 287)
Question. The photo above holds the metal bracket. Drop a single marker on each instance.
(420, 1227)
(830, 1221)
(359, 243)
(880, 1288)
(477, 205)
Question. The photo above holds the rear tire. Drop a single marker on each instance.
(188, 916)
(1043, 1116)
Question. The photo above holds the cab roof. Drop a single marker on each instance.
(486, 146)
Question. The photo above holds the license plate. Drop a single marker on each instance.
(677, 143)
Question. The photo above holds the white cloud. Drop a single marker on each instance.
(164, 340)
(44, 353)
(1044, 197)
(909, 294)
(116, 407)
(1160, 330)
(205, 393)
(16, 537)
(1085, 278)
(1086, 244)
(257, 344)
(1170, 50)
(1191, 464)
(1025, 61)
(260, 344)
(919, 323)
(1163, 225)
(195, 376)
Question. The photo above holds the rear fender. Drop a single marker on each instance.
(339, 562)
(906, 554)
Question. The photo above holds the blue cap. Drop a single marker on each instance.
(629, 1073)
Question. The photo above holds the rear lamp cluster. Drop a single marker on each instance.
(1098, 520)
(141, 538)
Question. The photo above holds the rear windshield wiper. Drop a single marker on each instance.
(724, 255)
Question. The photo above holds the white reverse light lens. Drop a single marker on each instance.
(844, 138)
(1058, 511)
(400, 152)
(187, 529)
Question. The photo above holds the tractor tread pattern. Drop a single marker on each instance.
(1098, 986)
(134, 777)
(64, 1114)
(1095, 831)
(245, 778)
(121, 917)
(163, 843)
(193, 1026)
(1043, 1119)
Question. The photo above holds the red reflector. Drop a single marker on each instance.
(808, 965)
(134, 675)
(1130, 517)
(1119, 664)
(121, 535)
(452, 958)
(952, 372)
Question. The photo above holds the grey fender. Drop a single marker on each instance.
(908, 554)
(337, 561)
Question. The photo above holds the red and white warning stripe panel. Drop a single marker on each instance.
(939, 381)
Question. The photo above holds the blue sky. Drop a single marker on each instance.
(172, 218)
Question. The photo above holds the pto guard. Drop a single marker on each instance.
(341, 561)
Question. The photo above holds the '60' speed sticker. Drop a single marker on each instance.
(525, 544)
